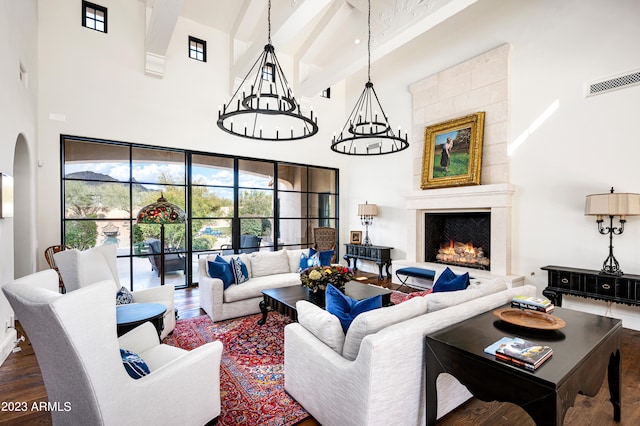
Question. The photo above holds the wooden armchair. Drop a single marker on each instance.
(324, 239)
(48, 255)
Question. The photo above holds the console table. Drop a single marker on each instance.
(379, 254)
(591, 284)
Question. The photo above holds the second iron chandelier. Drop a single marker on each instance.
(367, 130)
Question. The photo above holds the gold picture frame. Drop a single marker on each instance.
(459, 141)
(355, 237)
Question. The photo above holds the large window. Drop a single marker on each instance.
(233, 204)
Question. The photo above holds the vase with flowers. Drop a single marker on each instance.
(317, 278)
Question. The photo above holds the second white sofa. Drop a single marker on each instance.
(267, 269)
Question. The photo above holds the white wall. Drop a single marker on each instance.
(97, 83)
(18, 29)
(586, 146)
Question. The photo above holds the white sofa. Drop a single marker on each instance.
(379, 366)
(267, 269)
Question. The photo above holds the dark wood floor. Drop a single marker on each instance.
(21, 381)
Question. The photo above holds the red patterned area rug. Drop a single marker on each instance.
(251, 370)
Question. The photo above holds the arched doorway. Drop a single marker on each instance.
(24, 220)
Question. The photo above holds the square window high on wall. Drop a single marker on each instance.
(94, 16)
(197, 49)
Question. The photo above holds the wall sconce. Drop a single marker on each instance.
(367, 212)
(6, 196)
(612, 204)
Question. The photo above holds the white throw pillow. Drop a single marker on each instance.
(321, 324)
(294, 258)
(269, 263)
(373, 321)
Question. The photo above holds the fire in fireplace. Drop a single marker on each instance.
(464, 254)
(456, 238)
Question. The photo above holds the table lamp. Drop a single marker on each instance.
(612, 204)
(161, 213)
(366, 212)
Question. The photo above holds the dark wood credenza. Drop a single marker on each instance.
(381, 255)
(591, 284)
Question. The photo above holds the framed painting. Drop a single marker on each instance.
(452, 153)
(355, 237)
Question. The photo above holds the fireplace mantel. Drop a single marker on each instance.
(495, 198)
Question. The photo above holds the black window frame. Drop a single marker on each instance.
(96, 7)
(199, 43)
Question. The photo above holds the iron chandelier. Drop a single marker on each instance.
(367, 130)
(264, 105)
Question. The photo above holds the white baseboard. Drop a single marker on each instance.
(7, 345)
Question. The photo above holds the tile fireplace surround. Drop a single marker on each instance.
(495, 198)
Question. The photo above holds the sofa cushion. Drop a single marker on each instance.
(346, 308)
(459, 282)
(374, 321)
(324, 257)
(308, 260)
(269, 263)
(294, 258)
(239, 270)
(253, 288)
(322, 324)
(221, 269)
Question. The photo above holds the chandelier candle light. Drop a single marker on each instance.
(367, 130)
(612, 204)
(264, 105)
(160, 213)
(366, 212)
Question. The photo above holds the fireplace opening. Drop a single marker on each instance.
(461, 239)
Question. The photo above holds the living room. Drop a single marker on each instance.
(549, 144)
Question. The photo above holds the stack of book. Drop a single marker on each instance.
(533, 303)
(520, 352)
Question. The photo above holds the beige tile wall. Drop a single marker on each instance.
(479, 84)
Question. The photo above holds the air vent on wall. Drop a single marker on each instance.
(613, 83)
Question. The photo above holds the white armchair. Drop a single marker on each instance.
(81, 268)
(74, 338)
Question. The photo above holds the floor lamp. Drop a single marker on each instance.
(161, 213)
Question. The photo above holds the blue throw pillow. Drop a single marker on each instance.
(134, 365)
(446, 276)
(309, 260)
(220, 268)
(239, 270)
(124, 296)
(325, 257)
(459, 282)
(346, 308)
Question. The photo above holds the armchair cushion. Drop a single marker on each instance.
(133, 364)
(346, 308)
(124, 296)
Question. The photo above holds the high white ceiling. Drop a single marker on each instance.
(320, 35)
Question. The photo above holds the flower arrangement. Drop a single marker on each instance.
(318, 277)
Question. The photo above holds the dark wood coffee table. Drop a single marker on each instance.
(582, 351)
(131, 315)
(283, 300)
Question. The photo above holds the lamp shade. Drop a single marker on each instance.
(612, 204)
(161, 212)
(367, 209)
